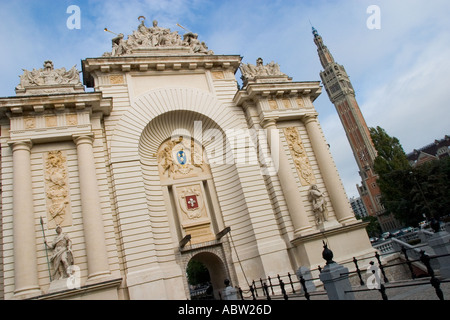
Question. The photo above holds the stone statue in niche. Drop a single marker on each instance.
(317, 198)
(62, 257)
(57, 189)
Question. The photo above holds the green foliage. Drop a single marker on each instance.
(391, 156)
(373, 228)
(431, 192)
(197, 273)
(409, 192)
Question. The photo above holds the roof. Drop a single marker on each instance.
(436, 150)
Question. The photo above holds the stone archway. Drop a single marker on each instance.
(153, 118)
(217, 268)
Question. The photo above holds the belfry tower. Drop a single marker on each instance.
(342, 95)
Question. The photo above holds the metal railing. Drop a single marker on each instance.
(280, 287)
(290, 286)
(414, 259)
(389, 246)
(424, 258)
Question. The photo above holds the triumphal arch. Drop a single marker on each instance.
(109, 193)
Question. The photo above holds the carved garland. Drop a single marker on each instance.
(299, 156)
(57, 189)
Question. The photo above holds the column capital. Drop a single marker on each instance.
(83, 138)
(21, 145)
(269, 122)
(309, 117)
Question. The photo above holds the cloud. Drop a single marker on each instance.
(123, 16)
(399, 72)
(18, 29)
(414, 103)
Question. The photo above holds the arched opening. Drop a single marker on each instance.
(199, 280)
(206, 273)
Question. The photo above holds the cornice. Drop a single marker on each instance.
(90, 66)
(83, 291)
(256, 91)
(57, 102)
(320, 235)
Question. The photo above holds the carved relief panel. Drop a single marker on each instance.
(193, 212)
(300, 103)
(57, 189)
(182, 166)
(181, 158)
(273, 104)
(299, 156)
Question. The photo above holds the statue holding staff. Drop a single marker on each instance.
(62, 256)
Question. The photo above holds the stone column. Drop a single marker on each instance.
(24, 234)
(288, 184)
(94, 234)
(338, 197)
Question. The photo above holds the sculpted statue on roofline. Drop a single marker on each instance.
(49, 76)
(155, 37)
(250, 71)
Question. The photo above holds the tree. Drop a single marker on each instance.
(431, 190)
(390, 154)
(197, 273)
(373, 228)
(392, 167)
(409, 192)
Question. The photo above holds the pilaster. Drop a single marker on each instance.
(25, 257)
(97, 259)
(288, 184)
(335, 189)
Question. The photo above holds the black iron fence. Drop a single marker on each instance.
(280, 287)
(428, 277)
(291, 286)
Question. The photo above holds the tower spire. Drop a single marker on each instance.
(342, 95)
(324, 54)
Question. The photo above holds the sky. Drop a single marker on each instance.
(397, 56)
